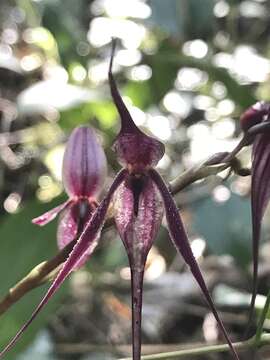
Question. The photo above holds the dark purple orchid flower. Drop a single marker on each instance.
(84, 172)
(254, 118)
(140, 196)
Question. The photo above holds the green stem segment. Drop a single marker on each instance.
(262, 319)
(209, 349)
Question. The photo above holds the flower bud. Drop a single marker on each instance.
(254, 115)
(84, 165)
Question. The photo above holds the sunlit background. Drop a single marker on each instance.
(186, 70)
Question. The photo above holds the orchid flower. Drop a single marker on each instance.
(140, 197)
(255, 121)
(83, 173)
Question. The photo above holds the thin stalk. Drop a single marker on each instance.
(262, 318)
(136, 287)
(242, 143)
(208, 349)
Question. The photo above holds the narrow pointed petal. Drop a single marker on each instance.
(260, 196)
(180, 240)
(138, 213)
(50, 215)
(87, 240)
(84, 164)
(132, 146)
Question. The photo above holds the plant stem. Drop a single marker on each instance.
(262, 318)
(209, 349)
(242, 143)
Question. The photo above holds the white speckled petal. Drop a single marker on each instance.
(139, 223)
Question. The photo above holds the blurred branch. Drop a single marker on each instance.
(209, 349)
(47, 270)
(194, 174)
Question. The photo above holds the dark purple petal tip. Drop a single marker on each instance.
(133, 147)
(254, 115)
(84, 164)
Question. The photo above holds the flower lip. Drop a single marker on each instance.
(84, 164)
